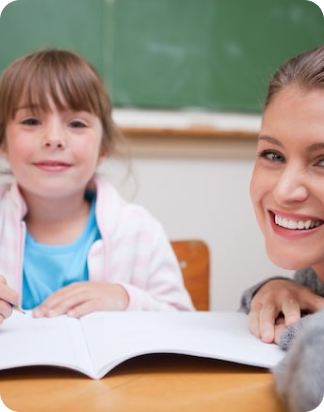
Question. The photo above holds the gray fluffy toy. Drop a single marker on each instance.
(300, 375)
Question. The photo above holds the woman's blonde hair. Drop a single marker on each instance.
(306, 70)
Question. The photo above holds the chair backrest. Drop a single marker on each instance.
(193, 257)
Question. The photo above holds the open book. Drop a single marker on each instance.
(96, 343)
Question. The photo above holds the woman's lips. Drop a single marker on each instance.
(289, 227)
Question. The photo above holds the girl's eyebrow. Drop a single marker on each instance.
(315, 146)
(28, 106)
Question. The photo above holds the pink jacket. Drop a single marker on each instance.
(134, 250)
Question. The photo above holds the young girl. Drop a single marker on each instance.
(68, 243)
(287, 191)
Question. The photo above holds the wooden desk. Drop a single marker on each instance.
(153, 383)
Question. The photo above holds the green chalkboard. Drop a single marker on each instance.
(26, 25)
(210, 54)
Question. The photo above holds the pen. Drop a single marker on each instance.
(18, 308)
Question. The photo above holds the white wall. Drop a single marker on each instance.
(206, 199)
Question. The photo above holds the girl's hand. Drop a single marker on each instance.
(8, 298)
(278, 304)
(81, 298)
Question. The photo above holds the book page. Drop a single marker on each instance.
(113, 337)
(58, 341)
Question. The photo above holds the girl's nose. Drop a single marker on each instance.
(54, 137)
(54, 143)
(291, 187)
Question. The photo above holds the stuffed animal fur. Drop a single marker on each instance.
(299, 376)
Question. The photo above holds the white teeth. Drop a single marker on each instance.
(296, 224)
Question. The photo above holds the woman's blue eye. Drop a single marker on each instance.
(272, 156)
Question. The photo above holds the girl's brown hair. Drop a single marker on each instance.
(69, 80)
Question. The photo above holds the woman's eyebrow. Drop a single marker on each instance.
(270, 139)
(311, 148)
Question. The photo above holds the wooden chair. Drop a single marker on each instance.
(193, 257)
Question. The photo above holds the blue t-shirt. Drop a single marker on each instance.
(49, 268)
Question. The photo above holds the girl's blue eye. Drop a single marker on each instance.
(77, 124)
(31, 122)
(271, 156)
(320, 163)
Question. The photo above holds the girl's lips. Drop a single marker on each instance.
(52, 166)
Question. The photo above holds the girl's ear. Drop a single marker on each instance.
(102, 156)
(3, 143)
(3, 150)
(100, 160)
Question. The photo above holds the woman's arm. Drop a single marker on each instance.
(279, 302)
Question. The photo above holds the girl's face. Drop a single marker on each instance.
(54, 154)
(287, 186)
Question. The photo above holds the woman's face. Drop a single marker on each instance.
(287, 186)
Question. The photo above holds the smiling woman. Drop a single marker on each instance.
(287, 192)
(287, 183)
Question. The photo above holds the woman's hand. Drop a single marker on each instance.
(8, 298)
(278, 304)
(81, 298)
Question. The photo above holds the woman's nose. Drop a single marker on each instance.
(291, 187)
